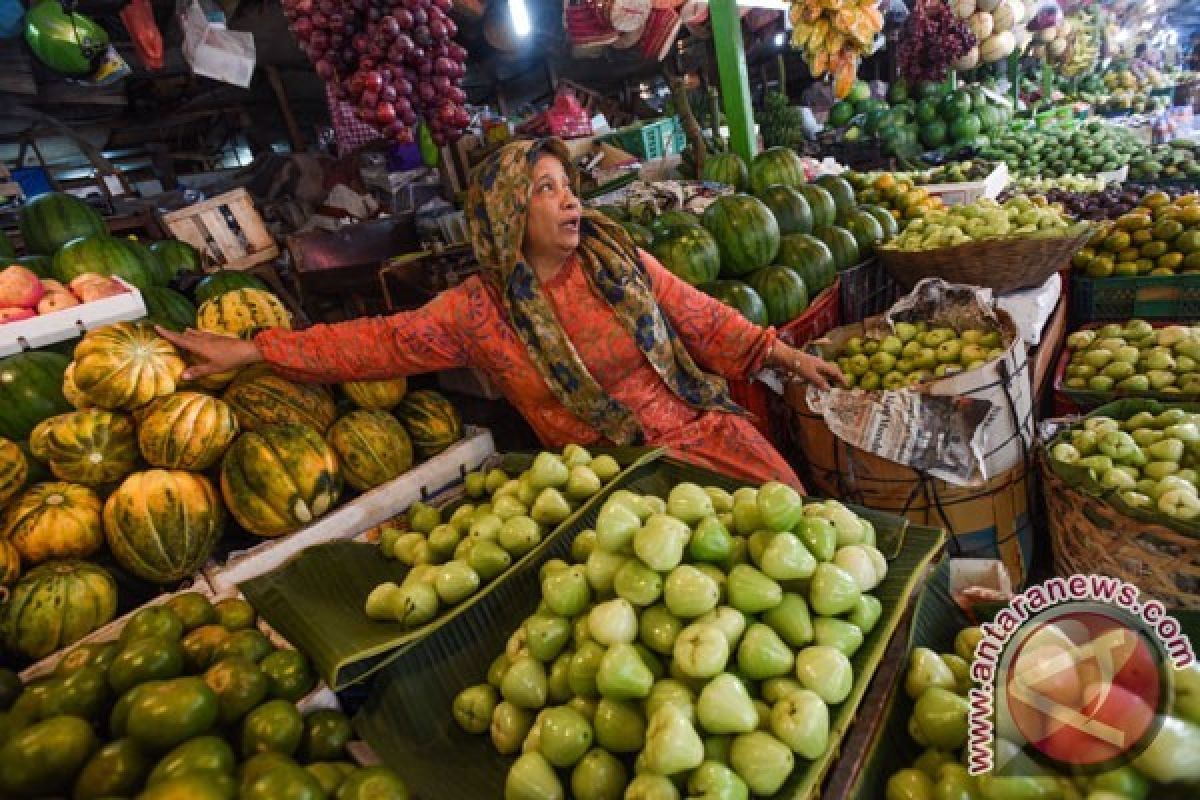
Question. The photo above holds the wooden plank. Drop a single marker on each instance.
(205, 205)
(16, 71)
(214, 223)
(251, 223)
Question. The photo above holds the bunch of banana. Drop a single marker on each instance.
(781, 123)
(1085, 48)
(834, 35)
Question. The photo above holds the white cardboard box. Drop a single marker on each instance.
(959, 194)
(59, 326)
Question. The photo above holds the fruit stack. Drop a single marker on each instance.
(982, 220)
(1159, 237)
(702, 640)
(938, 684)
(914, 354)
(191, 700)
(23, 295)
(452, 558)
(1134, 358)
(835, 38)
(1084, 149)
(1145, 462)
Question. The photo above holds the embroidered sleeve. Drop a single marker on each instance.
(373, 348)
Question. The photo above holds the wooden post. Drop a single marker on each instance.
(285, 108)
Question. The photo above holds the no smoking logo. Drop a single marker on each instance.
(1082, 686)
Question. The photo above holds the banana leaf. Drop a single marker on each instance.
(936, 620)
(407, 715)
(316, 600)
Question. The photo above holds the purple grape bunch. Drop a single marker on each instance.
(396, 61)
(933, 39)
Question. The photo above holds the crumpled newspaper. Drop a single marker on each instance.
(644, 200)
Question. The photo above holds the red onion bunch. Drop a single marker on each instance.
(933, 39)
(396, 61)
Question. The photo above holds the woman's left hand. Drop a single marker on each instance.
(796, 364)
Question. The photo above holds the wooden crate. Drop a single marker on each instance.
(227, 229)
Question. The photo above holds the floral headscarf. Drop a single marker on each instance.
(497, 205)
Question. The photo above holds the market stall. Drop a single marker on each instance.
(343, 473)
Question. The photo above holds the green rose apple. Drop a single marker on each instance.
(455, 582)
(801, 721)
(910, 784)
(751, 592)
(866, 613)
(546, 636)
(584, 666)
(725, 706)
(832, 590)
(819, 536)
(710, 541)
(779, 506)
(941, 716)
(510, 725)
(532, 778)
(605, 467)
(763, 654)
(637, 583)
(613, 622)
(601, 569)
(524, 683)
(762, 761)
(689, 503)
(567, 592)
(826, 671)
(838, 634)
(620, 726)
(565, 736)
(730, 621)
(690, 592)
(926, 669)
(785, 558)
(488, 559)
(722, 500)
(672, 744)
(661, 541)
(715, 781)
(701, 650)
(658, 628)
(671, 692)
(474, 708)
(598, 776)
(622, 675)
(550, 507)
(649, 786)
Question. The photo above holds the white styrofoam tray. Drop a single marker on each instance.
(69, 323)
(958, 194)
(360, 514)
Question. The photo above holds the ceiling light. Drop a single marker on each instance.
(519, 16)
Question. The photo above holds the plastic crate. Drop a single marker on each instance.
(1117, 299)
(652, 140)
(867, 289)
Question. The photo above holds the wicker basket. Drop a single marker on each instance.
(1003, 265)
(1090, 537)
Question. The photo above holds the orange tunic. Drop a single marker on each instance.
(468, 326)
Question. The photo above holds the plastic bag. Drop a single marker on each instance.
(214, 51)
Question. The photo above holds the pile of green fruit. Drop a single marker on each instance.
(1149, 460)
(190, 701)
(1082, 149)
(452, 558)
(938, 685)
(1175, 161)
(1135, 358)
(770, 249)
(1160, 236)
(915, 354)
(984, 219)
(781, 123)
(697, 642)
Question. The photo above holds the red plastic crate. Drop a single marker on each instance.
(821, 316)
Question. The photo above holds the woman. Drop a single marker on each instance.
(591, 339)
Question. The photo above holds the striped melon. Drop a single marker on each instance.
(50, 220)
(92, 447)
(169, 308)
(71, 392)
(54, 520)
(260, 398)
(431, 420)
(372, 448)
(242, 312)
(56, 605)
(14, 471)
(161, 525)
(278, 479)
(186, 430)
(126, 365)
(10, 563)
(376, 395)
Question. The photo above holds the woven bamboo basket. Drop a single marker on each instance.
(1090, 537)
(1003, 265)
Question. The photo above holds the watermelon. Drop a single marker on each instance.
(51, 220)
(740, 296)
(7, 251)
(898, 92)
(690, 253)
(727, 168)
(224, 281)
(670, 221)
(639, 233)
(746, 233)
(824, 210)
(933, 133)
(776, 166)
(841, 244)
(105, 255)
(782, 291)
(791, 210)
(965, 128)
(42, 266)
(176, 256)
(885, 219)
(30, 391)
(169, 308)
(159, 274)
(810, 258)
(866, 229)
(956, 104)
(841, 191)
(927, 112)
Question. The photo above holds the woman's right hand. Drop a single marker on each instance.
(211, 353)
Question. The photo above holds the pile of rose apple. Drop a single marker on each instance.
(696, 644)
(938, 685)
(915, 353)
(1150, 460)
(452, 558)
(23, 295)
(1135, 357)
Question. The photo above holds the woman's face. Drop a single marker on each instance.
(552, 222)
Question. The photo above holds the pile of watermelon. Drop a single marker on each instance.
(930, 116)
(769, 249)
